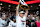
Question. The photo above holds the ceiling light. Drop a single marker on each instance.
(31, 6)
(1, 4)
(39, 5)
(9, 5)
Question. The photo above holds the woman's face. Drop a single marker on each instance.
(21, 14)
(31, 15)
(3, 17)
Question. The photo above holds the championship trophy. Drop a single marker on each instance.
(23, 5)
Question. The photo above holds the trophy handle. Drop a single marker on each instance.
(23, 5)
(22, 2)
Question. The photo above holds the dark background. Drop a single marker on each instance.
(34, 7)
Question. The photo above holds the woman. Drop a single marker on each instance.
(12, 22)
(38, 22)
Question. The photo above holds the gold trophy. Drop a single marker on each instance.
(23, 5)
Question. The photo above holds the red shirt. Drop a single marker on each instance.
(38, 23)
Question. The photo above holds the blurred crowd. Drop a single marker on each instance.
(32, 18)
(7, 18)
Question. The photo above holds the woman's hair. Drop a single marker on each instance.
(11, 18)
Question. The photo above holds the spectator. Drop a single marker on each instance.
(33, 19)
(12, 22)
(3, 20)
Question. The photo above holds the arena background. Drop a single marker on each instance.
(35, 6)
